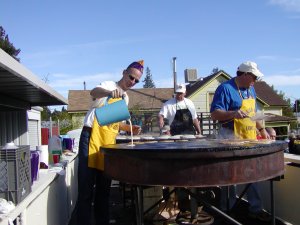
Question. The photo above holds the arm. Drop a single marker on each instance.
(222, 115)
(197, 126)
(264, 134)
(99, 92)
(160, 120)
(126, 127)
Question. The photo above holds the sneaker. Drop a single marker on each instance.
(183, 217)
(203, 218)
(262, 216)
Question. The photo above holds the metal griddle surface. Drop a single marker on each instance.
(202, 148)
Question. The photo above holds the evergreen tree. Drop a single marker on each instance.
(148, 82)
(7, 46)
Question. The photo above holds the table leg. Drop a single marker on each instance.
(139, 205)
(272, 202)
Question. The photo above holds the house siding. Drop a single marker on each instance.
(201, 97)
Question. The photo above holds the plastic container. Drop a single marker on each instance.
(15, 173)
(35, 165)
(44, 156)
(68, 143)
(112, 113)
(54, 147)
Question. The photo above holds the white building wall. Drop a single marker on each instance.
(13, 127)
(34, 127)
(201, 98)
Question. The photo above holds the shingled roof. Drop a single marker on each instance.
(149, 98)
(267, 94)
(144, 98)
(79, 100)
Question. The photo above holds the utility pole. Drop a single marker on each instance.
(296, 107)
(174, 73)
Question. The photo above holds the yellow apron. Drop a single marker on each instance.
(246, 128)
(101, 135)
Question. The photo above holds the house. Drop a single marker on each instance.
(21, 96)
(146, 102)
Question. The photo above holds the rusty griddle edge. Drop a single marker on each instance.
(200, 171)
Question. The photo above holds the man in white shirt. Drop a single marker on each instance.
(181, 114)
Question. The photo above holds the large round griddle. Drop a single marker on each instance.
(197, 163)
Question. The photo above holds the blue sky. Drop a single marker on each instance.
(70, 42)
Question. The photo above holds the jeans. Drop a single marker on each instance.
(186, 203)
(93, 187)
(253, 197)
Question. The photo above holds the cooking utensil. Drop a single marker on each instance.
(260, 116)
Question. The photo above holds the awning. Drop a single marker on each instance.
(21, 89)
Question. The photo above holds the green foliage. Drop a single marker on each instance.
(289, 110)
(7, 46)
(45, 114)
(63, 117)
(148, 82)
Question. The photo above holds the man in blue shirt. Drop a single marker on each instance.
(233, 104)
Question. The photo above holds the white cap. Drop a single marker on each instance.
(180, 88)
(250, 67)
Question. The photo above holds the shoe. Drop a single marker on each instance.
(203, 218)
(262, 216)
(183, 217)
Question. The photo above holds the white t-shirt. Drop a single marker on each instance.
(108, 85)
(169, 108)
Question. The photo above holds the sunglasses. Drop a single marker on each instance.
(253, 76)
(132, 78)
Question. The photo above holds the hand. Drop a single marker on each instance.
(136, 130)
(239, 114)
(264, 134)
(117, 93)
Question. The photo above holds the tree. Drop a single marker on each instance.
(148, 82)
(7, 46)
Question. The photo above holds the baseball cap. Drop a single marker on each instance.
(180, 88)
(250, 67)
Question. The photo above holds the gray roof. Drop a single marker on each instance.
(144, 98)
(21, 89)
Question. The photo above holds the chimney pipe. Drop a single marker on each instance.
(174, 73)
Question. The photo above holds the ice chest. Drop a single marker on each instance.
(15, 173)
(112, 112)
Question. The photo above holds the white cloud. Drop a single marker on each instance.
(73, 82)
(268, 57)
(283, 80)
(290, 5)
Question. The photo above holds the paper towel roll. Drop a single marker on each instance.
(44, 154)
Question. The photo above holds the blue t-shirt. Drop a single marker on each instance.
(227, 98)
